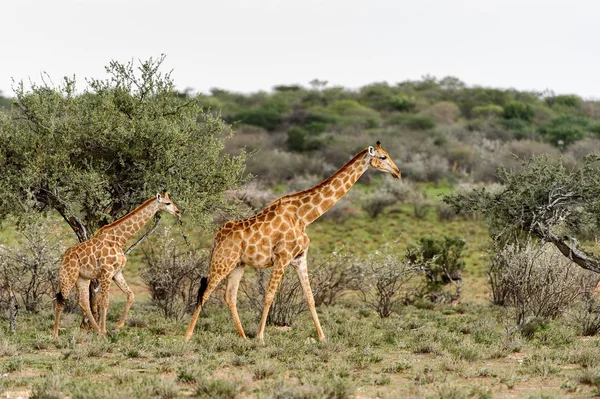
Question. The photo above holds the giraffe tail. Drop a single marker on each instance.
(203, 285)
(60, 299)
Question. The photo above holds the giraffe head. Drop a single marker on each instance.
(380, 159)
(165, 204)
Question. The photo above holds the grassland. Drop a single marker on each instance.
(466, 350)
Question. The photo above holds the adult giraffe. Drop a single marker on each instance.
(101, 257)
(276, 237)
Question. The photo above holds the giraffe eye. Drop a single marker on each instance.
(383, 158)
(167, 203)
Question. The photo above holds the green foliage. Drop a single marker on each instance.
(565, 100)
(96, 156)
(518, 110)
(402, 103)
(415, 122)
(4, 102)
(565, 129)
(487, 111)
(300, 140)
(545, 199)
(267, 118)
(442, 261)
(353, 113)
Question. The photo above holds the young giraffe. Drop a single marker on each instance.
(276, 237)
(101, 257)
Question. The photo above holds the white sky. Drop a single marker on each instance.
(252, 45)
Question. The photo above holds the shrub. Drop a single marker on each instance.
(402, 103)
(536, 280)
(419, 200)
(266, 118)
(586, 315)
(565, 129)
(173, 275)
(289, 301)
(518, 110)
(334, 276)
(377, 202)
(414, 122)
(296, 139)
(487, 111)
(29, 272)
(389, 281)
(520, 128)
(299, 140)
(445, 112)
(277, 166)
(580, 149)
(442, 261)
(253, 195)
(425, 167)
(565, 100)
(353, 113)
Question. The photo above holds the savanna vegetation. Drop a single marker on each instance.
(474, 276)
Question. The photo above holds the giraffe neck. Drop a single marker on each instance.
(126, 227)
(323, 196)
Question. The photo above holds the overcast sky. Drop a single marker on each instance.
(253, 45)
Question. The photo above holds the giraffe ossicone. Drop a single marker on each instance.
(102, 257)
(276, 237)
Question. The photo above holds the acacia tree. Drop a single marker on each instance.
(95, 154)
(546, 200)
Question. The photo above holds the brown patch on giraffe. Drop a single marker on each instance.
(328, 203)
(316, 200)
(304, 209)
(276, 223)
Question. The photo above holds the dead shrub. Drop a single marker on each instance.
(173, 274)
(389, 280)
(445, 112)
(389, 193)
(30, 269)
(288, 303)
(276, 166)
(536, 280)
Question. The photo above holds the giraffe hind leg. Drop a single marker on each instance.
(279, 267)
(84, 301)
(66, 283)
(218, 271)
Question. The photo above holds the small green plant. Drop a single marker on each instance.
(218, 389)
(442, 261)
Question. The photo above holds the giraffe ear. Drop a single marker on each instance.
(158, 197)
(371, 151)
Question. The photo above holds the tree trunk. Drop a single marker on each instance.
(13, 309)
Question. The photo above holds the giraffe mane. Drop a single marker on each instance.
(324, 182)
(130, 214)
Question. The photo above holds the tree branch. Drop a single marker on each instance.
(576, 255)
(146, 234)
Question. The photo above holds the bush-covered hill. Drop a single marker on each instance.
(434, 129)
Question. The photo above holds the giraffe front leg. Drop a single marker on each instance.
(300, 264)
(122, 284)
(233, 283)
(276, 275)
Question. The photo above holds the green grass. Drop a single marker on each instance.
(419, 353)
(426, 351)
